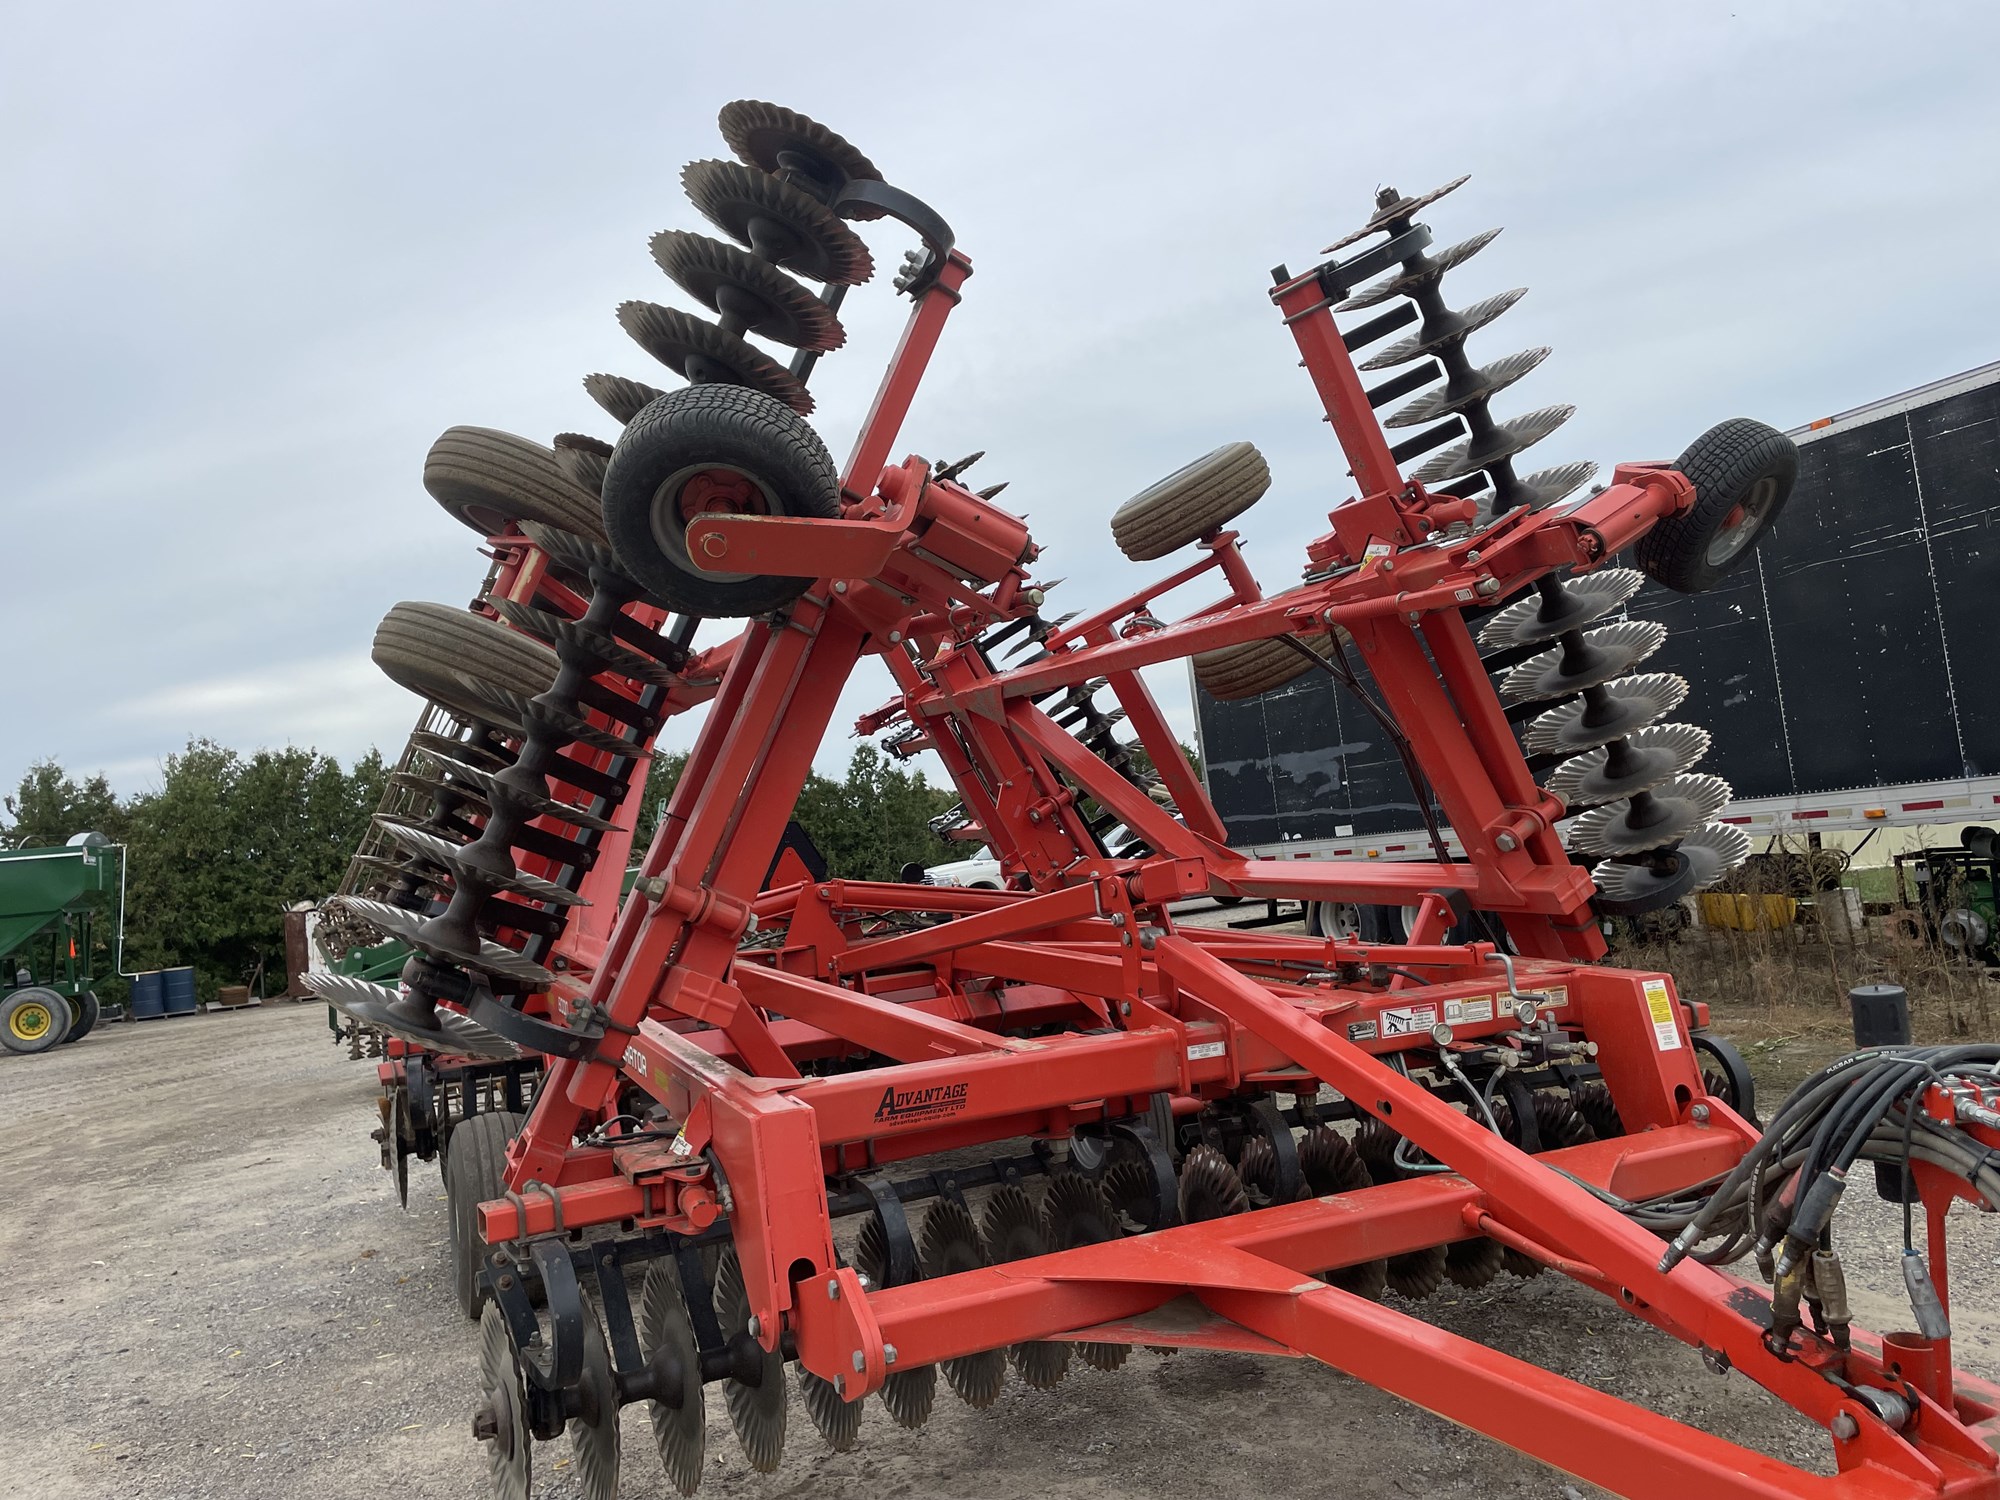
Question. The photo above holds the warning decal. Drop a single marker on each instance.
(1409, 1020)
(1661, 1006)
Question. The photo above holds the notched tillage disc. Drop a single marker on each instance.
(1013, 1231)
(1649, 757)
(909, 1395)
(1545, 487)
(623, 399)
(704, 354)
(733, 283)
(1210, 1188)
(593, 1431)
(582, 458)
(837, 1418)
(783, 140)
(1451, 329)
(1405, 283)
(1583, 600)
(1507, 438)
(408, 925)
(504, 1400)
(1608, 651)
(1419, 1272)
(1650, 820)
(1623, 706)
(1075, 1212)
(453, 857)
(369, 1004)
(666, 1337)
(552, 721)
(547, 807)
(1486, 381)
(787, 227)
(1330, 1165)
(1401, 208)
(1716, 850)
(949, 1245)
(756, 1408)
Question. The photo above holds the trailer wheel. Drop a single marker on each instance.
(83, 1012)
(708, 450)
(1252, 668)
(1742, 473)
(1191, 502)
(489, 479)
(472, 1177)
(33, 1020)
(421, 646)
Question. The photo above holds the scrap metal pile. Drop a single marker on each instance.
(745, 1077)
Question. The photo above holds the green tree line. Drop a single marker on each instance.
(228, 841)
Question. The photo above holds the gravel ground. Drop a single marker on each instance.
(214, 1294)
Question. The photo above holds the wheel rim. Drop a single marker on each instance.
(699, 490)
(32, 1022)
(1740, 527)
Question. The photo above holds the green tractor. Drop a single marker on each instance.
(50, 902)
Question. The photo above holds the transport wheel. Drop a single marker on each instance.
(1333, 919)
(1191, 502)
(84, 1011)
(488, 479)
(1742, 473)
(1251, 668)
(706, 450)
(33, 1020)
(424, 646)
(472, 1177)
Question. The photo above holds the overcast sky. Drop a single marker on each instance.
(258, 256)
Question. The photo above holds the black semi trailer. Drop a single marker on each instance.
(1846, 670)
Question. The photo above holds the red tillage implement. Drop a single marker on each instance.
(1237, 1140)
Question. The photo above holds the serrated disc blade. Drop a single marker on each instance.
(666, 1339)
(756, 1407)
(950, 1246)
(1582, 600)
(1621, 706)
(1650, 757)
(593, 1432)
(622, 399)
(1717, 849)
(453, 858)
(1405, 282)
(1631, 888)
(1650, 820)
(1557, 482)
(1402, 208)
(1487, 380)
(460, 750)
(1013, 1230)
(565, 727)
(1450, 329)
(370, 1004)
(1608, 651)
(509, 1456)
(408, 925)
(600, 651)
(541, 807)
(838, 1419)
(579, 554)
(1507, 438)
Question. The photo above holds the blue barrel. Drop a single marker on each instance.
(149, 995)
(180, 991)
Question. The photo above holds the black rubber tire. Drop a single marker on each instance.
(1252, 668)
(420, 645)
(712, 426)
(1734, 463)
(472, 1177)
(488, 479)
(83, 1012)
(34, 1019)
(1191, 502)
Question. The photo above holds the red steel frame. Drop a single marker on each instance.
(1125, 1004)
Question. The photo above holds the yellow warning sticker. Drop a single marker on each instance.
(1666, 1031)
